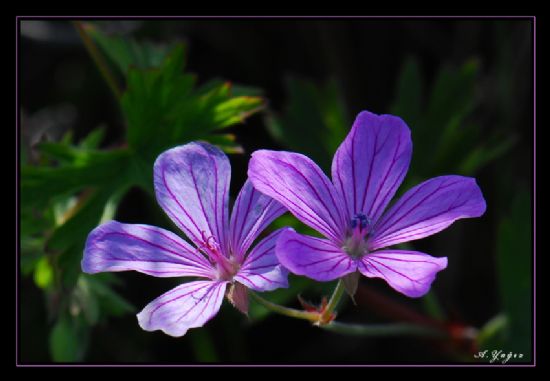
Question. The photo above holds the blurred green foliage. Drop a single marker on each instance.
(446, 139)
(514, 269)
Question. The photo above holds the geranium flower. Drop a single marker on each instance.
(367, 169)
(192, 186)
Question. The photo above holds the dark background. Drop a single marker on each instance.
(60, 87)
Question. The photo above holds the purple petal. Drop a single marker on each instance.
(252, 213)
(427, 209)
(192, 186)
(371, 163)
(409, 272)
(315, 258)
(300, 185)
(261, 270)
(154, 251)
(187, 306)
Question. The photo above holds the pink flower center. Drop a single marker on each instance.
(356, 242)
(227, 266)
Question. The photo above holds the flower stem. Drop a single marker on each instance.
(98, 59)
(393, 329)
(291, 312)
(332, 303)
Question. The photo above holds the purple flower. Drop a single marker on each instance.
(192, 186)
(367, 169)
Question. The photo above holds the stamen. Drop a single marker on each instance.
(226, 266)
(361, 226)
(362, 222)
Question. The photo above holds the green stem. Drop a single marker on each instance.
(291, 312)
(396, 329)
(333, 302)
(98, 59)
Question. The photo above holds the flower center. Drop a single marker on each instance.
(356, 242)
(227, 267)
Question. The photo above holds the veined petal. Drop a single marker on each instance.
(409, 272)
(427, 209)
(316, 258)
(154, 251)
(252, 213)
(261, 270)
(299, 184)
(192, 186)
(187, 306)
(371, 163)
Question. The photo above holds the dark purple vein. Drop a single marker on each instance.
(371, 212)
(176, 298)
(397, 207)
(401, 230)
(182, 225)
(367, 185)
(393, 270)
(186, 262)
(190, 250)
(321, 199)
(313, 219)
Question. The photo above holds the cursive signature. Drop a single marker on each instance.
(497, 355)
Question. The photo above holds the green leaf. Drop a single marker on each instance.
(126, 52)
(34, 222)
(491, 335)
(480, 156)
(43, 273)
(163, 109)
(68, 239)
(62, 208)
(153, 100)
(514, 248)
(65, 341)
(31, 254)
(93, 139)
(236, 90)
(76, 228)
(235, 110)
(110, 302)
(453, 93)
(408, 102)
(68, 262)
(84, 300)
(40, 185)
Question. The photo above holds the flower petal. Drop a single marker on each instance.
(187, 306)
(371, 163)
(427, 209)
(261, 270)
(409, 272)
(313, 257)
(154, 251)
(300, 185)
(252, 213)
(192, 186)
